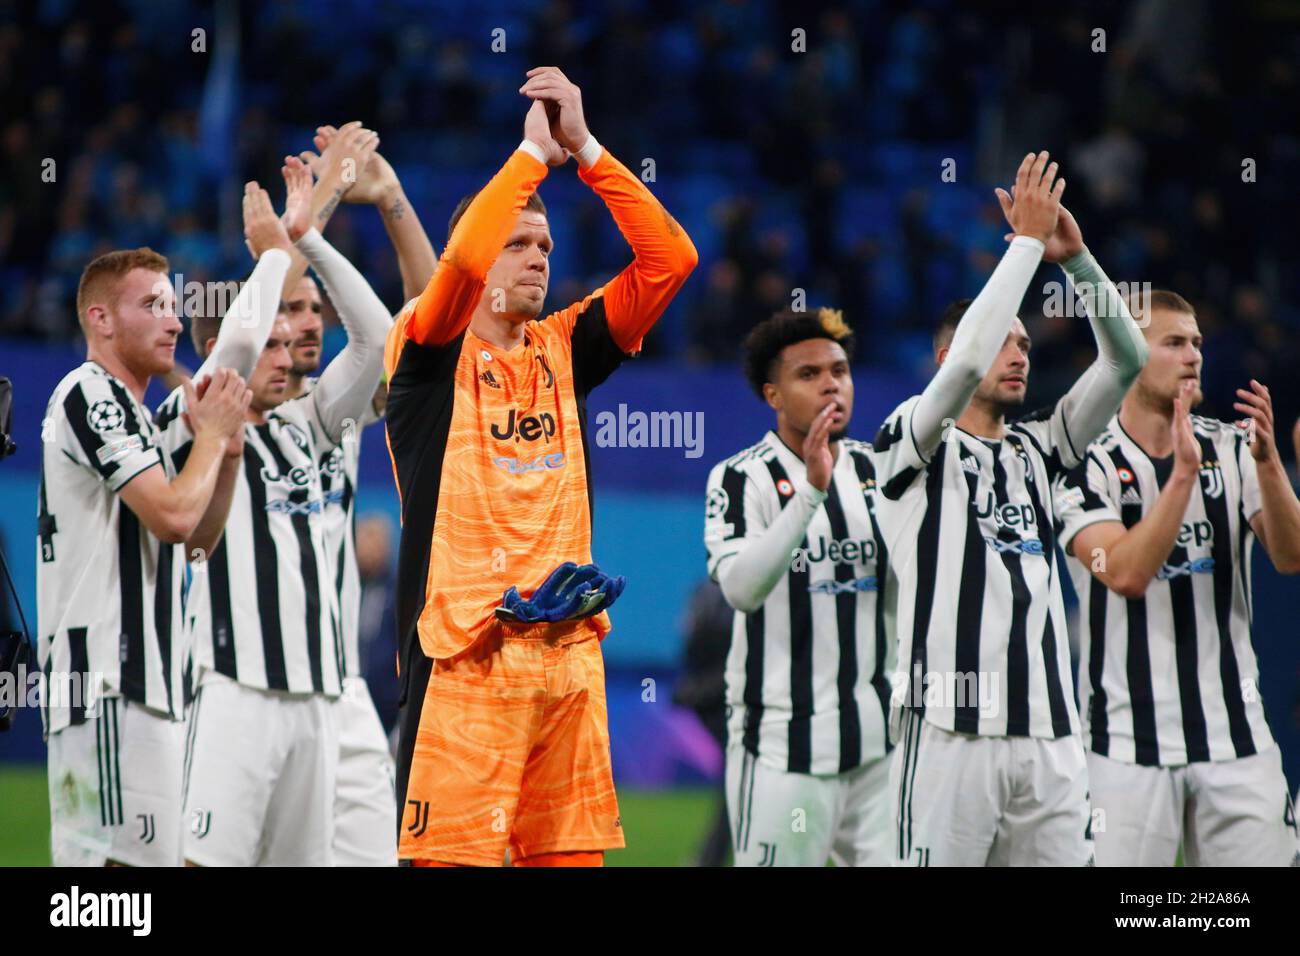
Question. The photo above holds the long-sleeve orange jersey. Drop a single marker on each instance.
(488, 444)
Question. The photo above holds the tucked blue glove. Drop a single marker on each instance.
(568, 593)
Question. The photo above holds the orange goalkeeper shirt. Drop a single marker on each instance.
(488, 444)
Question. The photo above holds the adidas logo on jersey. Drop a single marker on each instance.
(970, 465)
(1130, 497)
(489, 379)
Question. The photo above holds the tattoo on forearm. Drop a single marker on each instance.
(328, 209)
(397, 210)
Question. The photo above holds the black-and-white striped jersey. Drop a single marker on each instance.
(806, 676)
(338, 476)
(262, 608)
(1169, 678)
(108, 591)
(982, 640)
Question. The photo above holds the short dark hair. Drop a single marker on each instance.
(767, 340)
(947, 326)
(534, 204)
(202, 328)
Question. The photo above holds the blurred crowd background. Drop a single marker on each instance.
(843, 151)
(818, 170)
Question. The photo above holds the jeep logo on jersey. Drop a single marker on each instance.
(530, 428)
(299, 476)
(844, 551)
(1196, 534)
(1008, 515)
(1211, 479)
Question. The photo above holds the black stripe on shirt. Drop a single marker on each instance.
(799, 732)
(131, 594)
(1182, 606)
(753, 692)
(970, 607)
(266, 567)
(866, 476)
(846, 619)
(163, 596)
(76, 408)
(1021, 600)
(1056, 700)
(1216, 511)
(1141, 690)
(115, 794)
(78, 663)
(1098, 726)
(733, 483)
(102, 764)
(311, 581)
(927, 563)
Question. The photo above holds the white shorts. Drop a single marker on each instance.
(260, 770)
(780, 818)
(115, 788)
(365, 807)
(963, 800)
(1223, 813)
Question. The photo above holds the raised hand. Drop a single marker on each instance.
(263, 229)
(215, 408)
(537, 130)
(817, 456)
(1257, 405)
(297, 203)
(1066, 242)
(1036, 198)
(376, 181)
(344, 154)
(563, 101)
(1187, 450)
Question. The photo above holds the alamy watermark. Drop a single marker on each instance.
(59, 689)
(639, 429)
(1061, 299)
(948, 689)
(210, 299)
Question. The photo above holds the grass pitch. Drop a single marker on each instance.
(663, 828)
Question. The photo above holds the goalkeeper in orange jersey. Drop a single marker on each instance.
(503, 741)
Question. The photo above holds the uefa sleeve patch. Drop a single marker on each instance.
(718, 532)
(716, 504)
(116, 450)
(106, 415)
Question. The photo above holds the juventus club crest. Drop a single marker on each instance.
(296, 436)
(1211, 479)
(200, 822)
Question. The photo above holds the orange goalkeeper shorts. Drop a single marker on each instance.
(512, 752)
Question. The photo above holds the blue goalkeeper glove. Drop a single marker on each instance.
(570, 592)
